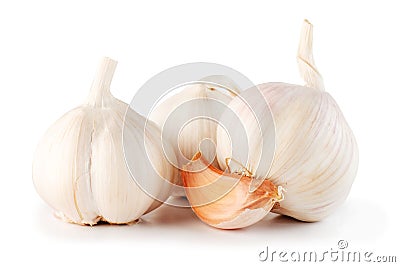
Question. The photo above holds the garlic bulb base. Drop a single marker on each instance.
(61, 216)
(98, 220)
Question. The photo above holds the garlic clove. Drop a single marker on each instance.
(61, 170)
(224, 200)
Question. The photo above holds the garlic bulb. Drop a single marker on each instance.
(224, 200)
(188, 118)
(95, 163)
(314, 153)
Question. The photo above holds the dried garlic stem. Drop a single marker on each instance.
(100, 90)
(305, 59)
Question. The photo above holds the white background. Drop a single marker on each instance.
(49, 52)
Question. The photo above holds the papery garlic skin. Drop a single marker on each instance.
(224, 200)
(316, 154)
(80, 166)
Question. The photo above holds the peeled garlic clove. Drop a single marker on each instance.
(315, 157)
(223, 200)
(91, 162)
(186, 118)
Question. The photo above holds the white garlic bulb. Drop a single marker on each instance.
(188, 118)
(314, 152)
(95, 163)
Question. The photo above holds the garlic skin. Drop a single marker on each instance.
(186, 119)
(316, 155)
(223, 200)
(80, 167)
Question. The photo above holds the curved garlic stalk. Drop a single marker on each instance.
(315, 157)
(80, 166)
(305, 59)
(224, 200)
